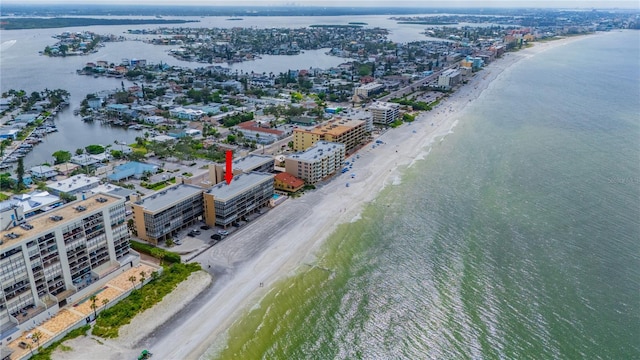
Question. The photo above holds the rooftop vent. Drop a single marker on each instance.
(80, 208)
(26, 226)
(101, 200)
(12, 235)
(56, 218)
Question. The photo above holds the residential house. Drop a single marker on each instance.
(287, 182)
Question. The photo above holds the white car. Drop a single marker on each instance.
(223, 232)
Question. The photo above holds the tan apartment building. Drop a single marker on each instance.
(160, 216)
(317, 162)
(56, 258)
(225, 204)
(350, 132)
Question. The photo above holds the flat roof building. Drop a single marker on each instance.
(225, 203)
(74, 185)
(59, 257)
(247, 164)
(350, 132)
(369, 89)
(160, 216)
(449, 78)
(317, 162)
(384, 112)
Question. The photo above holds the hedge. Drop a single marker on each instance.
(151, 250)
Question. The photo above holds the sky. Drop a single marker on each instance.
(632, 4)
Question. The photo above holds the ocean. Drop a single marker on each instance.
(517, 237)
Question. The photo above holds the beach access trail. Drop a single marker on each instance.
(274, 246)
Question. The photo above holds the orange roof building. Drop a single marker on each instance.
(287, 182)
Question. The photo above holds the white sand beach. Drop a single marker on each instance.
(277, 243)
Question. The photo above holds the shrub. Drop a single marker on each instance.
(110, 320)
(154, 251)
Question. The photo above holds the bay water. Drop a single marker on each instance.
(517, 237)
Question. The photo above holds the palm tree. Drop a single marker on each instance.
(36, 337)
(105, 301)
(94, 307)
(142, 278)
(133, 281)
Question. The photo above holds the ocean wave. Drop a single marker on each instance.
(7, 44)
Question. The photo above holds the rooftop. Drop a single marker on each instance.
(251, 162)
(334, 127)
(167, 197)
(289, 179)
(31, 201)
(74, 183)
(381, 105)
(319, 149)
(42, 223)
(240, 184)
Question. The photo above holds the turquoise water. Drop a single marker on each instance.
(518, 237)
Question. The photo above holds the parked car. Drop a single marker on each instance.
(223, 232)
(216, 237)
(205, 227)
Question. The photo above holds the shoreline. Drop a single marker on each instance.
(293, 243)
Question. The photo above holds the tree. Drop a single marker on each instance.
(66, 197)
(105, 301)
(94, 307)
(62, 156)
(133, 281)
(37, 336)
(79, 151)
(20, 174)
(142, 278)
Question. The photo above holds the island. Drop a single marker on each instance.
(42, 23)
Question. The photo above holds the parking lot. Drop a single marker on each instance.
(200, 236)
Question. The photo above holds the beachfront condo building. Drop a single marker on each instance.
(247, 164)
(317, 162)
(449, 78)
(349, 132)
(225, 204)
(384, 112)
(162, 215)
(53, 259)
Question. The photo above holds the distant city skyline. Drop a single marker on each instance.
(355, 3)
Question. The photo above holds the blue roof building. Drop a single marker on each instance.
(131, 169)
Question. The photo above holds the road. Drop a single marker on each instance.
(235, 255)
(412, 87)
